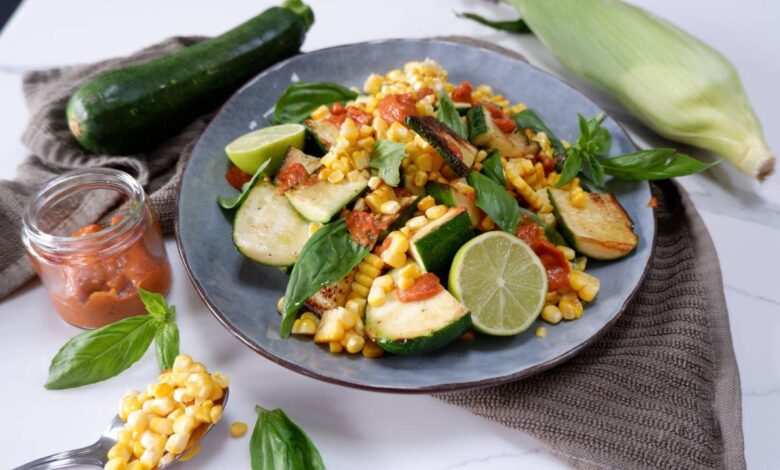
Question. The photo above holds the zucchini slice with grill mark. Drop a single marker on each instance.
(484, 133)
(324, 133)
(456, 151)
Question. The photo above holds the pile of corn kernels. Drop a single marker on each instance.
(160, 420)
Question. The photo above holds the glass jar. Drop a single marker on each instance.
(93, 273)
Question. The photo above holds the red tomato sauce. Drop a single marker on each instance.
(462, 93)
(425, 287)
(500, 118)
(237, 177)
(364, 228)
(339, 114)
(292, 176)
(395, 108)
(552, 258)
(422, 93)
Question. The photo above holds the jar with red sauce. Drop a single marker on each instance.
(92, 273)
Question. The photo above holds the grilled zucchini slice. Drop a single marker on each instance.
(456, 151)
(484, 133)
(601, 229)
(324, 133)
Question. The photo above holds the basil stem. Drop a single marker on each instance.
(517, 26)
(279, 444)
(92, 356)
(300, 99)
(328, 256)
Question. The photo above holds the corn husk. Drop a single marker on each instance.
(677, 85)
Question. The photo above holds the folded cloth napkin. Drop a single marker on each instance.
(658, 391)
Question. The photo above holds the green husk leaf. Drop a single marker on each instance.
(677, 85)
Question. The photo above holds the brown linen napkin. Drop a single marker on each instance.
(659, 391)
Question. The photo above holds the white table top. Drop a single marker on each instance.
(355, 428)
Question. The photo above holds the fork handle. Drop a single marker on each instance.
(90, 455)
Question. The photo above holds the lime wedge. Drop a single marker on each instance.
(501, 281)
(250, 150)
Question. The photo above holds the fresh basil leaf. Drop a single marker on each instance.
(279, 444)
(594, 140)
(328, 256)
(496, 201)
(449, 115)
(571, 167)
(235, 201)
(155, 304)
(387, 159)
(654, 164)
(300, 99)
(593, 170)
(517, 26)
(166, 343)
(492, 168)
(92, 356)
(528, 119)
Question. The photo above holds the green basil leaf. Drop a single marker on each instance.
(517, 26)
(279, 444)
(527, 119)
(496, 201)
(654, 164)
(593, 171)
(571, 167)
(387, 159)
(92, 356)
(235, 201)
(166, 343)
(594, 140)
(300, 99)
(155, 304)
(492, 168)
(328, 256)
(449, 115)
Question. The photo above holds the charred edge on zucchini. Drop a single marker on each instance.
(324, 133)
(456, 151)
(330, 296)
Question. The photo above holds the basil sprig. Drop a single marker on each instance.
(492, 168)
(518, 26)
(93, 356)
(448, 115)
(233, 202)
(583, 157)
(300, 99)
(279, 444)
(387, 158)
(328, 256)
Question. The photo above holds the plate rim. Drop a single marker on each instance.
(440, 388)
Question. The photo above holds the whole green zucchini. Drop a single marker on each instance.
(134, 108)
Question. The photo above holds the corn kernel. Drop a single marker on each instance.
(568, 253)
(541, 332)
(551, 314)
(368, 270)
(376, 296)
(238, 429)
(119, 450)
(116, 463)
(405, 282)
(570, 307)
(416, 223)
(553, 297)
(420, 178)
(577, 197)
(320, 113)
(588, 293)
(336, 177)
(216, 413)
(182, 362)
(374, 182)
(426, 203)
(435, 212)
(135, 465)
(371, 350)
(152, 440)
(411, 270)
(127, 406)
(356, 305)
(304, 326)
(183, 395)
(374, 261)
(184, 424)
(335, 347)
(354, 343)
(487, 224)
(124, 436)
(390, 208)
(363, 279)
(136, 421)
(349, 130)
(161, 425)
(385, 282)
(177, 443)
(360, 289)
(162, 390)
(329, 330)
(166, 459)
(138, 449)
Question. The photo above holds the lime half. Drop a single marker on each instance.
(501, 281)
(249, 151)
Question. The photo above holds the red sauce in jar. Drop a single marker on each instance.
(293, 175)
(462, 93)
(395, 108)
(237, 177)
(425, 287)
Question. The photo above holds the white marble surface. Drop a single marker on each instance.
(355, 429)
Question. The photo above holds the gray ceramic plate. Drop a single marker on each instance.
(242, 294)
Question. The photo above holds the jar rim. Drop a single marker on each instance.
(78, 181)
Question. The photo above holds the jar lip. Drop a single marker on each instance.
(74, 182)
